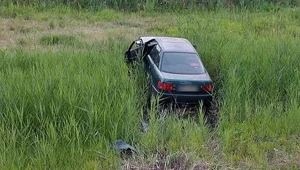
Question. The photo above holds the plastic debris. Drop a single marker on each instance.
(123, 147)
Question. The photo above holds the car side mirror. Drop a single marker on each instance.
(138, 43)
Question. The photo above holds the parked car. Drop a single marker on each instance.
(175, 70)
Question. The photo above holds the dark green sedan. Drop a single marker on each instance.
(174, 67)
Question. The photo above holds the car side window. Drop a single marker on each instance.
(154, 54)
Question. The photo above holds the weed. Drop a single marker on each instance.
(22, 41)
(51, 25)
(58, 39)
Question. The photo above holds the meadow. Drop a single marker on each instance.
(65, 93)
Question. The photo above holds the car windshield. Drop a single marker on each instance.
(181, 63)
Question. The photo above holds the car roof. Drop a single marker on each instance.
(172, 44)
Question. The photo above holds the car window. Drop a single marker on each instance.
(182, 63)
(148, 47)
(154, 54)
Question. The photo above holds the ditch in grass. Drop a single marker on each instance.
(201, 113)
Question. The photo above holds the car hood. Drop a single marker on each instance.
(185, 77)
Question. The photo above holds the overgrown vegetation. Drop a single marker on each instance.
(153, 5)
(58, 39)
(67, 98)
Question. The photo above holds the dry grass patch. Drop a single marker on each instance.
(15, 32)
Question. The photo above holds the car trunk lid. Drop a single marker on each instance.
(198, 83)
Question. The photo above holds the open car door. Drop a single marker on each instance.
(132, 54)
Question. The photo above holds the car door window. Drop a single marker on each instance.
(154, 54)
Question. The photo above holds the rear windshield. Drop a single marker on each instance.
(181, 63)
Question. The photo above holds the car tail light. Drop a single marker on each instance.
(208, 87)
(165, 86)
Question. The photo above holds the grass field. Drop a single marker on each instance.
(65, 93)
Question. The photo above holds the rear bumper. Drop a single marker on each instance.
(182, 98)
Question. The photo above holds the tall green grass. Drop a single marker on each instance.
(55, 105)
(152, 5)
(62, 104)
(257, 75)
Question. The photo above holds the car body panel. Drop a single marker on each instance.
(192, 77)
(187, 88)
